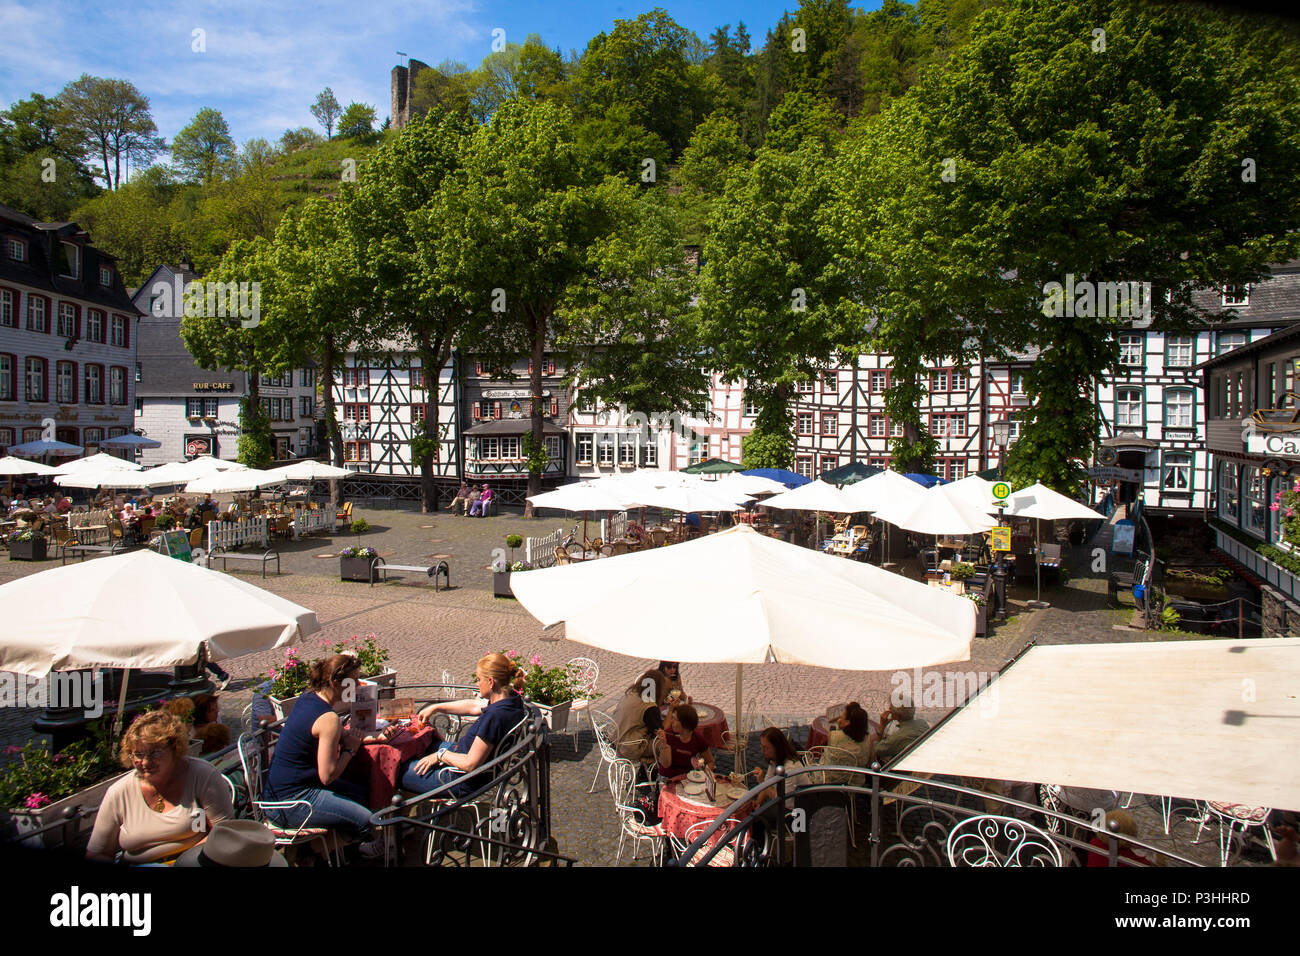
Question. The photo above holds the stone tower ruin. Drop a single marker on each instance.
(403, 83)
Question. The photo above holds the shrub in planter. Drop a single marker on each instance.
(165, 521)
(962, 570)
(370, 654)
(360, 526)
(27, 545)
(34, 777)
(501, 571)
(354, 563)
(283, 684)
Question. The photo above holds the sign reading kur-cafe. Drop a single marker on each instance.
(1285, 444)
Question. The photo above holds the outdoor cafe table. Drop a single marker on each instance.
(378, 765)
(681, 811)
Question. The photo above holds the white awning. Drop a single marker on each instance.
(1206, 720)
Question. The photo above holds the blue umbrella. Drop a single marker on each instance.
(925, 481)
(787, 478)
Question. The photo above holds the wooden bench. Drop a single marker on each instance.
(264, 557)
(84, 549)
(379, 565)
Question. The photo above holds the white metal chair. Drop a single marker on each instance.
(989, 840)
(1230, 816)
(585, 673)
(250, 758)
(606, 729)
(724, 857)
(632, 819)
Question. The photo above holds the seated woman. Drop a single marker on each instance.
(207, 724)
(780, 757)
(153, 815)
(638, 716)
(672, 672)
(312, 753)
(851, 736)
(499, 681)
(679, 748)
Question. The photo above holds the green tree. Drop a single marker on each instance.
(112, 119)
(293, 139)
(616, 146)
(137, 223)
(357, 121)
(204, 147)
(326, 109)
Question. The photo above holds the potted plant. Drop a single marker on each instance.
(501, 572)
(27, 544)
(513, 541)
(373, 659)
(38, 787)
(552, 690)
(962, 571)
(981, 612)
(165, 521)
(283, 685)
(355, 563)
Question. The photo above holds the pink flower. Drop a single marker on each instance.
(535, 659)
(36, 801)
(512, 653)
(1273, 507)
(59, 758)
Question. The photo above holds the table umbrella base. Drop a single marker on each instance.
(1037, 604)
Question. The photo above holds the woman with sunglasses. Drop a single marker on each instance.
(168, 805)
(672, 672)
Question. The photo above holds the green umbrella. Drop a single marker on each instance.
(848, 474)
(713, 466)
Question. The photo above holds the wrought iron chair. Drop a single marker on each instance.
(1229, 817)
(632, 819)
(585, 672)
(250, 759)
(606, 729)
(1000, 841)
(724, 857)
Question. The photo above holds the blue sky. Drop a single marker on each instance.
(265, 60)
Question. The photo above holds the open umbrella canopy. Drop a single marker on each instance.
(748, 484)
(102, 478)
(584, 496)
(43, 447)
(854, 471)
(742, 597)
(229, 482)
(309, 469)
(975, 490)
(139, 610)
(814, 496)
(182, 472)
(712, 466)
(99, 462)
(130, 441)
(940, 511)
(1039, 501)
(885, 494)
(788, 478)
(9, 465)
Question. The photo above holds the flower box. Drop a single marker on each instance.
(282, 705)
(386, 680)
(33, 550)
(557, 715)
(27, 821)
(501, 584)
(355, 569)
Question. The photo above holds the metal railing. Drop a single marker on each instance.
(915, 832)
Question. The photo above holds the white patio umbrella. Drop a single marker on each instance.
(227, 482)
(137, 611)
(12, 467)
(742, 597)
(689, 500)
(309, 469)
(976, 490)
(583, 497)
(130, 441)
(97, 462)
(102, 478)
(751, 485)
(182, 472)
(940, 511)
(887, 496)
(815, 496)
(1042, 503)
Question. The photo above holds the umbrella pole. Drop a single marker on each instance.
(740, 719)
(121, 704)
(1038, 565)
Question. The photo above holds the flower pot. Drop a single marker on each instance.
(557, 715)
(501, 584)
(33, 550)
(27, 821)
(355, 569)
(281, 706)
(386, 680)
(981, 620)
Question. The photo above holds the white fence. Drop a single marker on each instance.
(224, 535)
(307, 521)
(100, 516)
(540, 552)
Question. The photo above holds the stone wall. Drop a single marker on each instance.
(403, 85)
(1280, 617)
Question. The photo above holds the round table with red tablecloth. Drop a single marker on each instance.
(713, 724)
(379, 765)
(680, 811)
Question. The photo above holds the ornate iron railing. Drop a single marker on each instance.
(910, 822)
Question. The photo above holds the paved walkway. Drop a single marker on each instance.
(431, 633)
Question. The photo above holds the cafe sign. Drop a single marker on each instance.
(510, 393)
(1103, 475)
(213, 386)
(1274, 444)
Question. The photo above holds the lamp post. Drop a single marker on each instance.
(1001, 438)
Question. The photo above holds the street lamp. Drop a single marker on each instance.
(1001, 438)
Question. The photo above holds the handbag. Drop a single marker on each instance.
(645, 797)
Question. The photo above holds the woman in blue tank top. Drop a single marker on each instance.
(312, 752)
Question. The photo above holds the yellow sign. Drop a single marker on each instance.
(1001, 490)
(1001, 539)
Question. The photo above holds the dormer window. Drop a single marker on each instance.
(70, 260)
(17, 250)
(105, 276)
(1236, 295)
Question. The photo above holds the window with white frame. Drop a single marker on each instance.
(1179, 408)
(751, 407)
(37, 320)
(1227, 341)
(1130, 350)
(65, 383)
(553, 447)
(105, 276)
(36, 379)
(117, 385)
(805, 386)
(650, 454)
(210, 407)
(356, 450)
(803, 465)
(1256, 506)
(948, 426)
(1128, 408)
(489, 449)
(6, 439)
(879, 381)
(583, 444)
(307, 407)
(1235, 295)
(1017, 383)
(830, 423)
(831, 382)
(1180, 350)
(92, 436)
(878, 462)
(605, 450)
(510, 448)
(895, 429)
(193, 408)
(627, 450)
(1177, 473)
(95, 325)
(829, 463)
(586, 402)
(8, 309)
(878, 426)
(7, 390)
(804, 423)
(65, 327)
(70, 260)
(699, 451)
(17, 250)
(120, 337)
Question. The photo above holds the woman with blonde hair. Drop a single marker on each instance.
(167, 805)
(499, 682)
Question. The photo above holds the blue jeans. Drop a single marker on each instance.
(477, 508)
(342, 803)
(435, 778)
